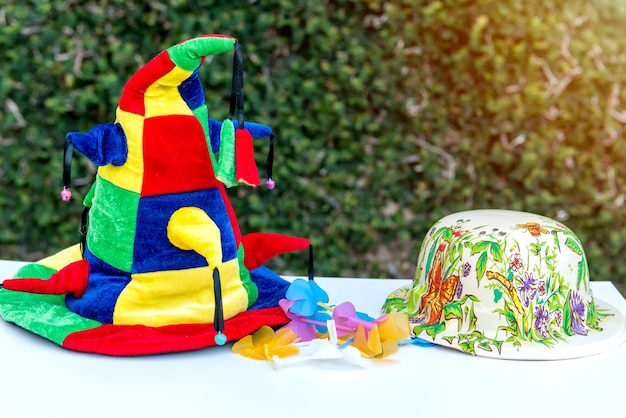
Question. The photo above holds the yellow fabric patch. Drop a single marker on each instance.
(128, 176)
(179, 297)
(62, 258)
(163, 98)
(191, 228)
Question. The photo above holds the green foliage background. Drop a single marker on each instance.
(389, 115)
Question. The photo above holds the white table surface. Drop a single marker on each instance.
(40, 379)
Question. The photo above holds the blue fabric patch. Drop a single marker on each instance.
(154, 251)
(104, 287)
(272, 287)
(191, 91)
(257, 131)
(214, 135)
(104, 144)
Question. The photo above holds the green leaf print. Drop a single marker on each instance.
(496, 252)
(453, 310)
(481, 246)
(485, 345)
(472, 319)
(555, 239)
(535, 248)
(481, 266)
(581, 273)
(449, 339)
(467, 346)
(431, 330)
(567, 316)
(573, 245)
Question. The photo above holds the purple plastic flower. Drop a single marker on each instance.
(578, 314)
(302, 307)
(528, 290)
(299, 324)
(347, 319)
(542, 319)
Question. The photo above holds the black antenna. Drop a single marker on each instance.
(236, 93)
(218, 319)
(311, 267)
(68, 151)
(84, 225)
(269, 165)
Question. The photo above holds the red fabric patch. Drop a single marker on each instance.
(135, 340)
(132, 98)
(176, 156)
(231, 213)
(261, 246)
(71, 279)
(245, 165)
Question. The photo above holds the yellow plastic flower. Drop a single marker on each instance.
(383, 339)
(264, 344)
(395, 327)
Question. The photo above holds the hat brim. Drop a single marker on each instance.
(49, 317)
(611, 335)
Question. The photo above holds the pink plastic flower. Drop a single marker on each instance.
(348, 319)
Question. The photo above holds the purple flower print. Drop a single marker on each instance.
(528, 290)
(467, 268)
(542, 318)
(516, 262)
(459, 290)
(578, 313)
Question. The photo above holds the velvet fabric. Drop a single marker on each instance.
(159, 224)
(245, 165)
(48, 316)
(105, 144)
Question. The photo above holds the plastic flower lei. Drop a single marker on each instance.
(328, 332)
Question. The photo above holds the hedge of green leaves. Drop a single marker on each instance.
(389, 115)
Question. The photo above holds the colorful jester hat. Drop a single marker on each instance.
(163, 265)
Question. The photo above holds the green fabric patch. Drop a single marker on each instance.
(226, 164)
(202, 114)
(34, 271)
(44, 315)
(246, 280)
(112, 224)
(89, 196)
(187, 55)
